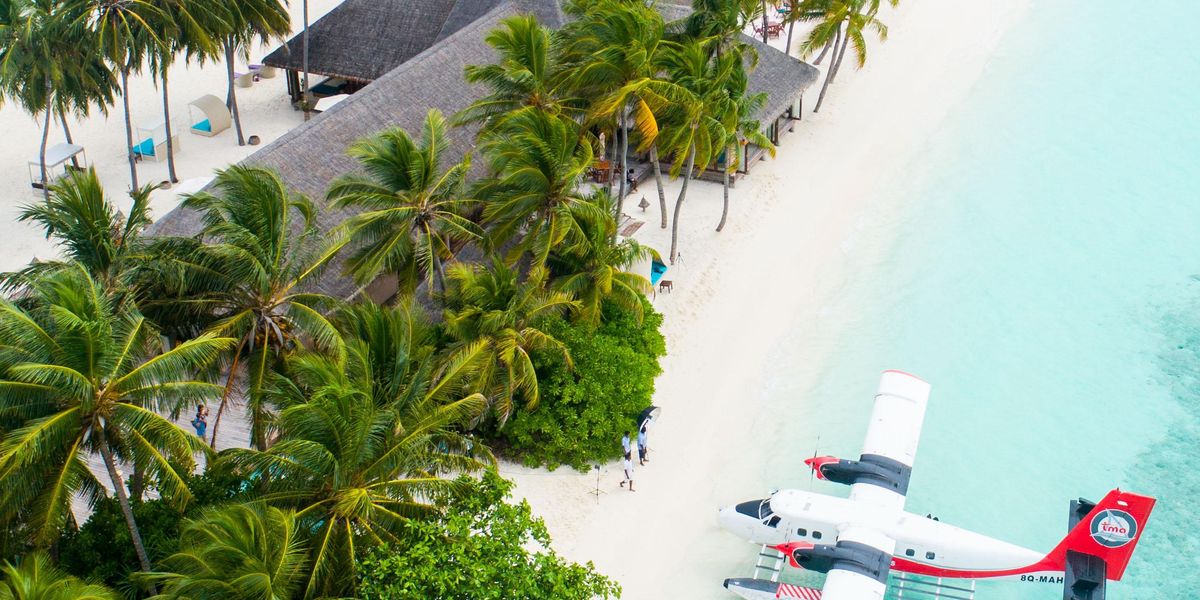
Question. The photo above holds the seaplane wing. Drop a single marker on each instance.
(880, 475)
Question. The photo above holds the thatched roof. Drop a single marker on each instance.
(361, 40)
(309, 157)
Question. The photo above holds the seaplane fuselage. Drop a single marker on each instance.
(924, 546)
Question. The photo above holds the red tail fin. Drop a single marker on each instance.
(1110, 531)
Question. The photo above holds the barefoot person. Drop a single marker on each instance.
(628, 465)
(643, 449)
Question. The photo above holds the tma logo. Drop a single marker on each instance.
(1113, 528)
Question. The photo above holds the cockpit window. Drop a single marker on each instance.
(758, 509)
(773, 521)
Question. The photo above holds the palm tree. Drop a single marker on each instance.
(526, 76)
(414, 212)
(182, 26)
(596, 271)
(34, 577)
(358, 456)
(89, 230)
(264, 247)
(45, 64)
(490, 310)
(88, 375)
(613, 45)
(124, 35)
(539, 160)
(695, 128)
(858, 16)
(236, 552)
(745, 129)
(244, 23)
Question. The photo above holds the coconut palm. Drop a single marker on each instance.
(847, 21)
(612, 45)
(34, 577)
(490, 310)
(89, 230)
(539, 160)
(236, 552)
(124, 37)
(45, 63)
(357, 457)
(264, 247)
(743, 128)
(413, 213)
(694, 131)
(526, 76)
(182, 27)
(596, 272)
(242, 25)
(87, 374)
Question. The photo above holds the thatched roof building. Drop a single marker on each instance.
(309, 157)
(362, 40)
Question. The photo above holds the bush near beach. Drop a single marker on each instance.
(584, 410)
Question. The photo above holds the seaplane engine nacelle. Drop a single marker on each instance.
(873, 469)
(854, 557)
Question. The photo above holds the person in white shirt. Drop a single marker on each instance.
(628, 465)
(625, 443)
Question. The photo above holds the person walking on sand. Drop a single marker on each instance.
(628, 465)
(625, 444)
(643, 450)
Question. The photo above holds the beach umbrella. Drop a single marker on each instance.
(650, 414)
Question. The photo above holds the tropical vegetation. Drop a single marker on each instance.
(494, 311)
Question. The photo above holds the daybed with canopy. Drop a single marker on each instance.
(209, 116)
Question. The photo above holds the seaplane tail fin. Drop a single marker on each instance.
(1109, 530)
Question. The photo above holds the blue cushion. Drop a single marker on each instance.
(203, 126)
(145, 148)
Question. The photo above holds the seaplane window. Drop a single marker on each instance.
(802, 532)
(816, 535)
(773, 521)
(929, 555)
(910, 552)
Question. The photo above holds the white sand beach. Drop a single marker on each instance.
(795, 223)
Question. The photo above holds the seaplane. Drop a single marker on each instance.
(861, 540)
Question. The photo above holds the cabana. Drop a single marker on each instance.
(152, 141)
(209, 116)
(56, 163)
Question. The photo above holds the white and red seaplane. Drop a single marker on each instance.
(858, 541)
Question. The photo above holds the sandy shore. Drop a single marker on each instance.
(799, 227)
(266, 112)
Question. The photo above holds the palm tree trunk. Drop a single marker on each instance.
(623, 184)
(764, 9)
(791, 25)
(612, 163)
(829, 71)
(123, 499)
(837, 65)
(305, 104)
(133, 180)
(687, 176)
(729, 150)
(662, 194)
(167, 121)
(225, 395)
(828, 45)
(45, 173)
(440, 271)
(232, 93)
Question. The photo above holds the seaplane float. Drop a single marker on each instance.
(861, 540)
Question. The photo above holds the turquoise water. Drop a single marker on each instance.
(1047, 283)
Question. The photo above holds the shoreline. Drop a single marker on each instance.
(800, 227)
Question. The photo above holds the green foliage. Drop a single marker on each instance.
(34, 577)
(480, 550)
(101, 550)
(584, 411)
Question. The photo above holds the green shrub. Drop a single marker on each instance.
(480, 550)
(583, 412)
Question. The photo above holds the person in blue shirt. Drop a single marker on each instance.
(641, 443)
(200, 423)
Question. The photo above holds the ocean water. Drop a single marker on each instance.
(1046, 281)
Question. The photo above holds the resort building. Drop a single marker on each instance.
(426, 73)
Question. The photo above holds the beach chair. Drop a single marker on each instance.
(208, 116)
(152, 141)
